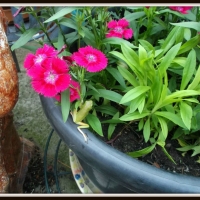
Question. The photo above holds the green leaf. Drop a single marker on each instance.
(164, 127)
(116, 74)
(65, 104)
(68, 23)
(146, 130)
(168, 58)
(147, 45)
(187, 34)
(196, 150)
(193, 42)
(142, 152)
(95, 123)
(189, 68)
(61, 13)
(186, 148)
(107, 109)
(110, 95)
(141, 105)
(193, 25)
(31, 48)
(134, 116)
(118, 41)
(142, 54)
(111, 127)
(136, 102)
(172, 117)
(165, 151)
(134, 93)
(169, 41)
(25, 37)
(186, 114)
(134, 16)
(128, 76)
(172, 98)
(195, 81)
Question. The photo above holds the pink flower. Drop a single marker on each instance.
(74, 92)
(34, 60)
(119, 29)
(181, 9)
(51, 77)
(93, 60)
(68, 59)
(19, 11)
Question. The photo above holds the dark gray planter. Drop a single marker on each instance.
(111, 170)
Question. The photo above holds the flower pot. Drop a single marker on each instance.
(111, 170)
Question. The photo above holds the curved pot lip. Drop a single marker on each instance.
(108, 160)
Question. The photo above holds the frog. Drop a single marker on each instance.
(79, 116)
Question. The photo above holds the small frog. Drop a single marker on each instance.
(78, 116)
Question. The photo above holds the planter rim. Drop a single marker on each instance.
(146, 178)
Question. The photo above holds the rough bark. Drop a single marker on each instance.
(14, 152)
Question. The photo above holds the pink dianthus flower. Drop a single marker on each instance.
(181, 9)
(93, 60)
(119, 29)
(74, 89)
(34, 60)
(51, 77)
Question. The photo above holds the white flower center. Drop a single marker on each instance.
(51, 77)
(118, 29)
(39, 58)
(91, 58)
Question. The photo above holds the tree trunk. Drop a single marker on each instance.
(13, 158)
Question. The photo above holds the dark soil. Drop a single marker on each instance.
(130, 140)
(35, 175)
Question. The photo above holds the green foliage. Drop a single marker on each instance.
(152, 79)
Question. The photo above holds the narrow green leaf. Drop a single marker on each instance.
(147, 45)
(110, 95)
(111, 127)
(25, 37)
(134, 116)
(186, 148)
(195, 81)
(172, 117)
(146, 130)
(68, 23)
(142, 152)
(168, 58)
(164, 127)
(196, 150)
(133, 16)
(193, 42)
(117, 75)
(189, 68)
(187, 34)
(165, 151)
(193, 25)
(118, 41)
(128, 76)
(61, 13)
(95, 123)
(169, 41)
(134, 93)
(132, 59)
(142, 54)
(141, 105)
(107, 109)
(186, 114)
(65, 104)
(136, 102)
